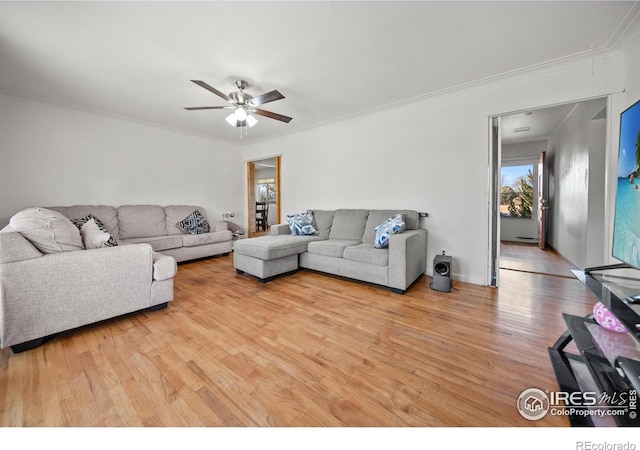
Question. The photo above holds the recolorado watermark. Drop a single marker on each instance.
(590, 445)
(534, 404)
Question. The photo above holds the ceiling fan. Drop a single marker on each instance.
(243, 104)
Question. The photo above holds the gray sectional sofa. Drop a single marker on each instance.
(343, 246)
(156, 225)
(50, 282)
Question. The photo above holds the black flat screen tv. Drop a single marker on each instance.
(626, 230)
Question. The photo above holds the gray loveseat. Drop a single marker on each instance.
(343, 246)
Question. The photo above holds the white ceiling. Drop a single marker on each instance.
(331, 60)
(534, 125)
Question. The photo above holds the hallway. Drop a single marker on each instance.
(530, 258)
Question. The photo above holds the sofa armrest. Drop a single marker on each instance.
(62, 291)
(15, 247)
(407, 258)
(164, 267)
(280, 229)
(219, 226)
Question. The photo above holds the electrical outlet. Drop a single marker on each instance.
(444, 251)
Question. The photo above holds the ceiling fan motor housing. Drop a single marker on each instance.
(240, 97)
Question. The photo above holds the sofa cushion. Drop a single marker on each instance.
(176, 213)
(194, 223)
(273, 247)
(349, 224)
(164, 267)
(323, 220)
(136, 221)
(110, 242)
(158, 243)
(331, 247)
(302, 224)
(377, 216)
(367, 253)
(49, 231)
(392, 225)
(107, 215)
(193, 240)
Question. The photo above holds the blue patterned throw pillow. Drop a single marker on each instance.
(302, 224)
(392, 225)
(194, 223)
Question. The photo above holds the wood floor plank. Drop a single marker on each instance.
(526, 258)
(305, 350)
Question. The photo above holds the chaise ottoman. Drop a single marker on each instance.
(266, 257)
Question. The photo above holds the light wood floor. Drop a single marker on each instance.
(303, 350)
(529, 258)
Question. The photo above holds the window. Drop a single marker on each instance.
(266, 189)
(516, 191)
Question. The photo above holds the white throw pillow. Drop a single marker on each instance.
(93, 236)
(48, 230)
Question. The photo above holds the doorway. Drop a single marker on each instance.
(263, 186)
(572, 138)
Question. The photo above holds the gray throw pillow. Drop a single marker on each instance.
(48, 230)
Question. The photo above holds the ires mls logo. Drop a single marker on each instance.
(534, 404)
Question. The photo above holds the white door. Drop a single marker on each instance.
(543, 202)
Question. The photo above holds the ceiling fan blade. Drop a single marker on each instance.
(271, 115)
(212, 89)
(195, 108)
(266, 98)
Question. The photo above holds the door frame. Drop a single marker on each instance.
(495, 164)
(495, 157)
(251, 192)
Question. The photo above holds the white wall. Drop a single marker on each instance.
(56, 156)
(576, 181)
(430, 155)
(597, 218)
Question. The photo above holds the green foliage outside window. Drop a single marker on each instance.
(516, 197)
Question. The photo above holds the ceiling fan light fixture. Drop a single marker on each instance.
(231, 119)
(240, 114)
